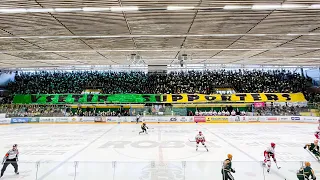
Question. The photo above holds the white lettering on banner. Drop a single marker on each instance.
(5, 120)
(46, 119)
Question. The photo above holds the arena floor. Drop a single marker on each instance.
(118, 152)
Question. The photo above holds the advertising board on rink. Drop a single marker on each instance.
(217, 119)
(99, 119)
(47, 119)
(238, 118)
(112, 119)
(20, 120)
(185, 118)
(272, 118)
(252, 118)
(62, 119)
(84, 119)
(150, 119)
(199, 119)
(310, 119)
(5, 120)
(295, 118)
(284, 118)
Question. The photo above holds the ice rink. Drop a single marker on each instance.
(118, 152)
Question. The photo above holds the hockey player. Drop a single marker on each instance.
(200, 139)
(304, 173)
(317, 133)
(314, 148)
(11, 158)
(138, 118)
(268, 153)
(144, 128)
(227, 169)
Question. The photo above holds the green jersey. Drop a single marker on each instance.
(313, 147)
(227, 165)
(305, 172)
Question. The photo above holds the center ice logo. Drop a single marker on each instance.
(162, 171)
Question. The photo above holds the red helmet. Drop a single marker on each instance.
(273, 145)
(200, 132)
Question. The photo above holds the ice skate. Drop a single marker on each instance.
(268, 170)
(196, 149)
(17, 173)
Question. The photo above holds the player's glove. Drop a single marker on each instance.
(304, 147)
(232, 170)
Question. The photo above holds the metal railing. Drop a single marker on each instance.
(155, 170)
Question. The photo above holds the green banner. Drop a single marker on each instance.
(85, 98)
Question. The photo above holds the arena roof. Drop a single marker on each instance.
(41, 33)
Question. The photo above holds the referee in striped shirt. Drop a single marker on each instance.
(11, 158)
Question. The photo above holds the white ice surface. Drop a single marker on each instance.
(118, 152)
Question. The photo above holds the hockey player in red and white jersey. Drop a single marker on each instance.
(201, 139)
(268, 153)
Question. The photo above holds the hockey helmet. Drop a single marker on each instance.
(230, 156)
(200, 132)
(273, 145)
(307, 164)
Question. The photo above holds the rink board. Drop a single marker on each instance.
(117, 151)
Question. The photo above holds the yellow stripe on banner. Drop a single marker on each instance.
(240, 97)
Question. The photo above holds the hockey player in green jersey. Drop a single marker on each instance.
(306, 172)
(144, 128)
(227, 169)
(314, 148)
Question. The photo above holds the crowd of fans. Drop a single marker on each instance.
(33, 110)
(279, 111)
(205, 82)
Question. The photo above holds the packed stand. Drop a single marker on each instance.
(224, 112)
(205, 82)
(94, 112)
(279, 111)
(33, 110)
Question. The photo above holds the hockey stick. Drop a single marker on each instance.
(191, 141)
(278, 166)
(312, 155)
